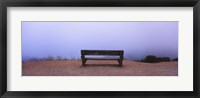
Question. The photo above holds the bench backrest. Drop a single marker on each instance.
(103, 52)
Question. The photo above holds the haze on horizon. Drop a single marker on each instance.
(66, 39)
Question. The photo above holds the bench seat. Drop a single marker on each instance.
(102, 58)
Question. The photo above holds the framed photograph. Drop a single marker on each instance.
(99, 48)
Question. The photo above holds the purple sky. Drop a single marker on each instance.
(66, 39)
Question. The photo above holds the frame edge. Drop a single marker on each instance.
(3, 61)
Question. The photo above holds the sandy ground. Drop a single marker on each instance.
(98, 68)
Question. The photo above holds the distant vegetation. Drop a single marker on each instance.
(147, 59)
(154, 59)
(50, 58)
(176, 59)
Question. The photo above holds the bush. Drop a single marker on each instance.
(142, 60)
(163, 59)
(154, 59)
(176, 59)
(50, 58)
(150, 59)
(65, 58)
(59, 58)
(34, 59)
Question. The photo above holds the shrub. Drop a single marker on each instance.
(34, 59)
(43, 59)
(65, 58)
(163, 59)
(176, 59)
(154, 59)
(50, 58)
(150, 59)
(74, 58)
(59, 58)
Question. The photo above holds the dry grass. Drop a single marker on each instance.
(98, 68)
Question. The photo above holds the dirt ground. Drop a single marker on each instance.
(98, 68)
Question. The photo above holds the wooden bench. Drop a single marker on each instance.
(119, 53)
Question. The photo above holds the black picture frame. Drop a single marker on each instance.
(98, 3)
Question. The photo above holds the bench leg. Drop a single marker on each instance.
(83, 62)
(120, 63)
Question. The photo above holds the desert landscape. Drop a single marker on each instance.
(98, 68)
